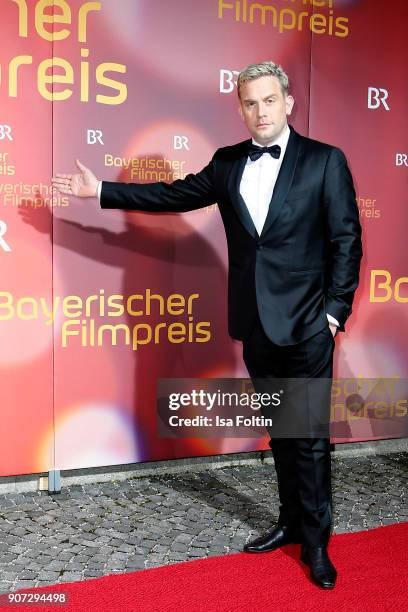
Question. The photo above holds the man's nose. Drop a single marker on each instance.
(261, 110)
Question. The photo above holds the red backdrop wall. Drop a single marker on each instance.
(124, 86)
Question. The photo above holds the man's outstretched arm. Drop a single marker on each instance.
(192, 192)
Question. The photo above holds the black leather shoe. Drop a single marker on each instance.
(322, 570)
(281, 535)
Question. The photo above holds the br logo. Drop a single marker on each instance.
(377, 97)
(94, 136)
(180, 142)
(227, 81)
(3, 230)
(401, 159)
(5, 132)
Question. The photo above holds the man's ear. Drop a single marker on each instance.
(289, 102)
(240, 112)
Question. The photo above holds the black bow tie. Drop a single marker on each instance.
(256, 152)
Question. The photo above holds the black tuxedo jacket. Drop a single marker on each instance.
(306, 261)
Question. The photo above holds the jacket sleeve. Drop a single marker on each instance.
(192, 192)
(344, 237)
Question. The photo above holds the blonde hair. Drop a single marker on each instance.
(254, 71)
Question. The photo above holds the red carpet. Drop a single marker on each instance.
(372, 568)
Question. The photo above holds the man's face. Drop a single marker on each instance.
(264, 108)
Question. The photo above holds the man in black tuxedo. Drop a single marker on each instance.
(294, 245)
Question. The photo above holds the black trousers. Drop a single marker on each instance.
(303, 464)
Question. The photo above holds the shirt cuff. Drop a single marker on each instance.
(330, 318)
(99, 191)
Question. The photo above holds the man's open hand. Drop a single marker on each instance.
(82, 185)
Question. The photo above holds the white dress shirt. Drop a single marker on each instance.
(259, 178)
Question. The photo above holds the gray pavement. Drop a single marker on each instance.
(92, 530)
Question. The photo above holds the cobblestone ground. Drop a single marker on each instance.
(98, 529)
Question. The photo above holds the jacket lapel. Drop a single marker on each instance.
(234, 181)
(284, 180)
